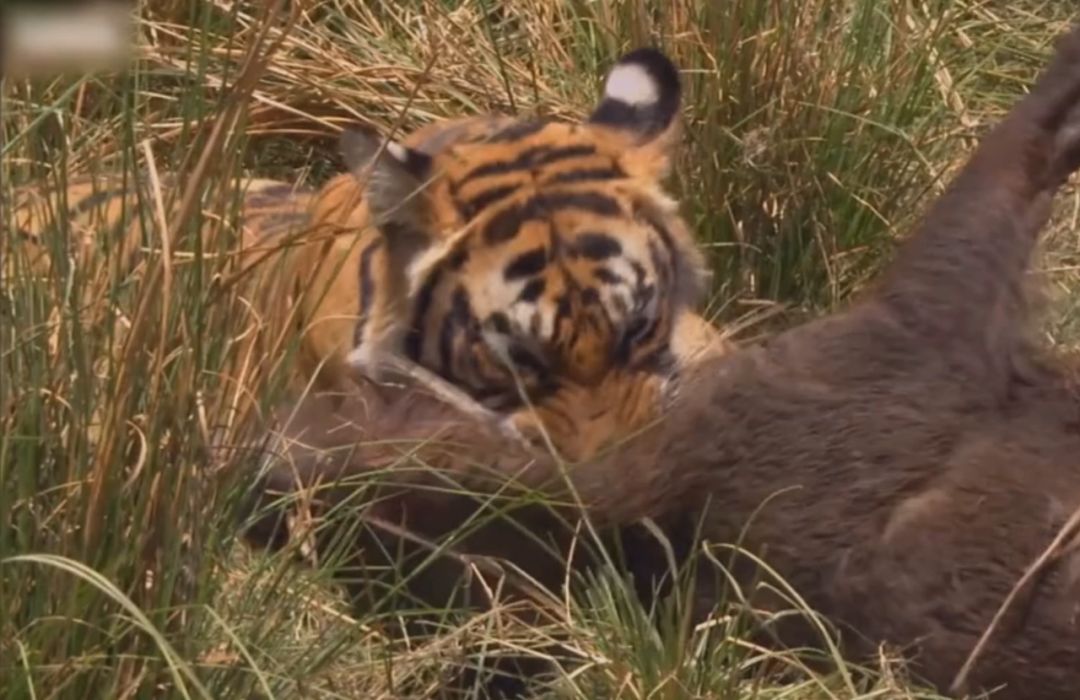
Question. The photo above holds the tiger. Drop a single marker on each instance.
(536, 266)
(318, 235)
(104, 216)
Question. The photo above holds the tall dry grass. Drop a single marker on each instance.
(814, 132)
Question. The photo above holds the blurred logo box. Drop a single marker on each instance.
(43, 39)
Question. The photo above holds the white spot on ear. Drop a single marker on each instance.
(631, 84)
(400, 153)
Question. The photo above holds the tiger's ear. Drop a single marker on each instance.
(395, 176)
(641, 95)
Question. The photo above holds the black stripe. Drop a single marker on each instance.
(649, 333)
(471, 373)
(526, 160)
(558, 154)
(525, 360)
(458, 318)
(527, 264)
(596, 245)
(607, 276)
(575, 332)
(563, 308)
(644, 294)
(637, 333)
(503, 400)
(499, 322)
(593, 202)
(366, 285)
(423, 305)
(473, 206)
(587, 175)
(620, 304)
(416, 162)
(522, 162)
(519, 130)
(505, 225)
(456, 260)
(532, 291)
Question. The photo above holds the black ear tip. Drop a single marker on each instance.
(656, 63)
(641, 93)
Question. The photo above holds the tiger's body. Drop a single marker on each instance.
(542, 270)
(111, 226)
(101, 215)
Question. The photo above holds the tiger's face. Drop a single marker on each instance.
(551, 253)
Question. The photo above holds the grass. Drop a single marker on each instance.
(815, 131)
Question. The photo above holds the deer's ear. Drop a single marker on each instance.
(642, 95)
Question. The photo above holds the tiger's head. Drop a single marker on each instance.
(537, 252)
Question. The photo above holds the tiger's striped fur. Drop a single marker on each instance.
(311, 242)
(543, 270)
(536, 262)
(108, 230)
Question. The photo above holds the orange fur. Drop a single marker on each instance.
(338, 269)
